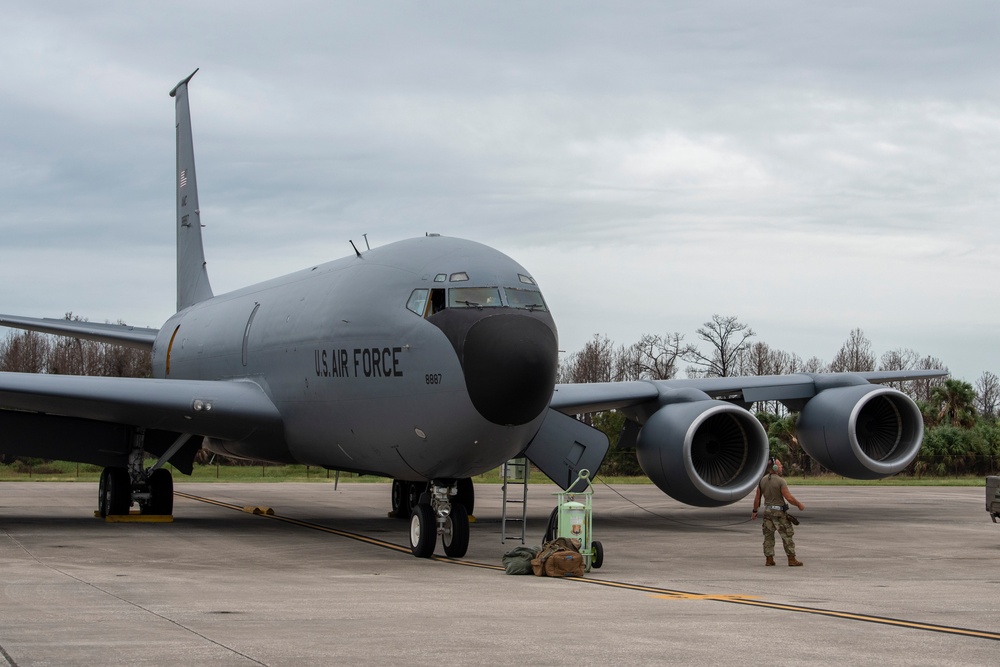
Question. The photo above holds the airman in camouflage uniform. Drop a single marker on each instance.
(774, 491)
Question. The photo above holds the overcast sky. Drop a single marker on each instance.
(809, 168)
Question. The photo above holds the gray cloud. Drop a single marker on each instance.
(809, 169)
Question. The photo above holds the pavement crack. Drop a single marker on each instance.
(7, 657)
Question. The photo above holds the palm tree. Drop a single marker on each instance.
(954, 403)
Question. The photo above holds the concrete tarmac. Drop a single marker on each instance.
(685, 585)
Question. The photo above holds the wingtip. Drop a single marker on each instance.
(173, 92)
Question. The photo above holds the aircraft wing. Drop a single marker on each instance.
(229, 410)
(793, 388)
(118, 334)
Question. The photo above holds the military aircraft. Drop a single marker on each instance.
(428, 361)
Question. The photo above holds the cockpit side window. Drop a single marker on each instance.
(474, 297)
(418, 301)
(527, 299)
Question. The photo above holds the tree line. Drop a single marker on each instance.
(31, 352)
(962, 432)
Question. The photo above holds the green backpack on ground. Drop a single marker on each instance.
(518, 560)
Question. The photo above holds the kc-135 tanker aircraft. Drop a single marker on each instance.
(428, 361)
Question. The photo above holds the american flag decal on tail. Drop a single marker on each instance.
(184, 178)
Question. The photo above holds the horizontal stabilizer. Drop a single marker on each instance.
(118, 334)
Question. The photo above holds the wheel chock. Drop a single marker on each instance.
(258, 509)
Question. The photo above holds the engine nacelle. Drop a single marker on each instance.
(862, 431)
(705, 452)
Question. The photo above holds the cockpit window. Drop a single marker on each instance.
(528, 299)
(527, 280)
(418, 301)
(459, 277)
(474, 297)
(441, 277)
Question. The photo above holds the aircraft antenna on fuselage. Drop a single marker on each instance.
(192, 273)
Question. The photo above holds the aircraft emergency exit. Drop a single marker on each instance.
(428, 361)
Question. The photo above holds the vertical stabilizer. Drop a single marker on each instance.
(192, 274)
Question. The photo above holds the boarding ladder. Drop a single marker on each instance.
(515, 474)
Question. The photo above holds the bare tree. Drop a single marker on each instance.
(900, 359)
(814, 365)
(855, 356)
(794, 364)
(727, 339)
(594, 363)
(25, 352)
(762, 359)
(988, 395)
(654, 357)
(922, 389)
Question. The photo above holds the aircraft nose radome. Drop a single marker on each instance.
(510, 363)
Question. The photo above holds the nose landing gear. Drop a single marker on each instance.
(435, 514)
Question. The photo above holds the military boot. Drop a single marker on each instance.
(792, 562)
(769, 561)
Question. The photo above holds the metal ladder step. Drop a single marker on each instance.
(514, 472)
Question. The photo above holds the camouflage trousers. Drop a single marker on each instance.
(778, 521)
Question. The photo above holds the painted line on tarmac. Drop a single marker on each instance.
(654, 591)
(304, 524)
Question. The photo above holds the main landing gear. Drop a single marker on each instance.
(117, 492)
(152, 489)
(440, 507)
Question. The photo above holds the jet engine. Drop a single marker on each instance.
(862, 431)
(703, 452)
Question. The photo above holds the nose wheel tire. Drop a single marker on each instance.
(423, 531)
(456, 532)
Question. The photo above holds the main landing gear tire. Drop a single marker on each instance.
(398, 500)
(414, 492)
(114, 492)
(423, 531)
(161, 490)
(466, 495)
(456, 532)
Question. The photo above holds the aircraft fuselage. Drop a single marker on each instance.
(438, 348)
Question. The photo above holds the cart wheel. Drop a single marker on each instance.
(598, 559)
(553, 526)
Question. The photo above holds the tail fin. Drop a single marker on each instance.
(192, 275)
